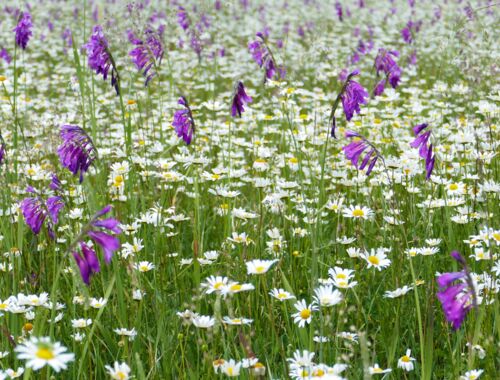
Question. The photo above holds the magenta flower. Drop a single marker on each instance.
(87, 262)
(384, 62)
(353, 95)
(359, 147)
(98, 230)
(239, 100)
(77, 151)
(147, 54)
(183, 121)
(2, 150)
(99, 57)
(182, 18)
(263, 56)
(424, 150)
(4, 54)
(23, 30)
(456, 294)
(35, 211)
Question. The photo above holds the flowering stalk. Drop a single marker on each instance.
(424, 150)
(356, 148)
(263, 55)
(35, 211)
(239, 99)
(96, 229)
(352, 95)
(386, 64)
(457, 294)
(147, 54)
(183, 121)
(101, 61)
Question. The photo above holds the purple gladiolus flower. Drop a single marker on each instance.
(182, 18)
(263, 56)
(55, 183)
(97, 230)
(147, 55)
(183, 121)
(4, 54)
(385, 63)
(425, 151)
(35, 212)
(23, 30)
(77, 151)
(338, 9)
(356, 148)
(239, 100)
(406, 34)
(2, 151)
(99, 57)
(456, 294)
(353, 95)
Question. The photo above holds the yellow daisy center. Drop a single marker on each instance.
(260, 269)
(45, 354)
(235, 287)
(405, 359)
(358, 213)
(374, 260)
(305, 314)
(453, 186)
(218, 285)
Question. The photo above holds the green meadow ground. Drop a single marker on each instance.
(271, 185)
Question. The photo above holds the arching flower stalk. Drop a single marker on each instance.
(147, 54)
(424, 149)
(35, 211)
(183, 121)
(457, 294)
(100, 58)
(352, 95)
(97, 229)
(77, 151)
(358, 147)
(385, 63)
(263, 55)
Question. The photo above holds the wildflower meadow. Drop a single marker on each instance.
(252, 189)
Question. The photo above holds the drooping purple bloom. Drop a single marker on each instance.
(338, 9)
(239, 100)
(87, 261)
(384, 62)
(2, 151)
(353, 95)
(67, 36)
(55, 183)
(406, 34)
(147, 54)
(99, 57)
(4, 54)
(356, 148)
(97, 232)
(23, 30)
(77, 151)
(456, 294)
(182, 18)
(263, 56)
(35, 212)
(183, 121)
(424, 150)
